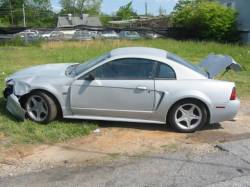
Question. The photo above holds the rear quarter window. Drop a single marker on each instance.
(164, 71)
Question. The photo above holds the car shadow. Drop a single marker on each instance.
(212, 127)
(111, 124)
(149, 126)
(130, 125)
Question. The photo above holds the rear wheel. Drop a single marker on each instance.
(41, 107)
(188, 116)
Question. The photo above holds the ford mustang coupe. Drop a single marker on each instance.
(133, 84)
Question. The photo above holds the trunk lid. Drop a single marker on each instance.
(215, 64)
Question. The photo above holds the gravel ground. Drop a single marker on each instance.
(181, 168)
(119, 140)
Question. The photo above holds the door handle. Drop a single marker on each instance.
(141, 88)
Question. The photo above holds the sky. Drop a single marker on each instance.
(111, 6)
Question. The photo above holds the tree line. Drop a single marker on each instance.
(194, 19)
(39, 13)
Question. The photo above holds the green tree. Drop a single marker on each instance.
(77, 7)
(206, 20)
(105, 19)
(126, 12)
(10, 9)
(182, 4)
(38, 12)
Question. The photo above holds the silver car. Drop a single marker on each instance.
(110, 35)
(82, 36)
(133, 84)
(130, 35)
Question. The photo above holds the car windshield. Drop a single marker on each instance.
(183, 62)
(80, 68)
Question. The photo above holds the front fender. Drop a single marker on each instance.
(22, 88)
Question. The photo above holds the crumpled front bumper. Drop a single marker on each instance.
(14, 107)
(8, 91)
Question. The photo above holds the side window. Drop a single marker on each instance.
(126, 69)
(165, 72)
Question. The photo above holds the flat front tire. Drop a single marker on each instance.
(188, 116)
(41, 107)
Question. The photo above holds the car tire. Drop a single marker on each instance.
(41, 107)
(188, 116)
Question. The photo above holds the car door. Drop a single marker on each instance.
(123, 88)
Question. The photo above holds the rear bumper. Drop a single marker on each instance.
(224, 114)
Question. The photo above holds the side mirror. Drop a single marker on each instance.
(89, 77)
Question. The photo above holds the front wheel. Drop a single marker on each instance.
(188, 116)
(41, 107)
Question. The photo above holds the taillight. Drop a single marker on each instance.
(233, 94)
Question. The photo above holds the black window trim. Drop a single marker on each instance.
(153, 73)
(156, 69)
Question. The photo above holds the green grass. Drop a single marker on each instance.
(15, 58)
(28, 132)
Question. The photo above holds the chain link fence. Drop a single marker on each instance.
(81, 33)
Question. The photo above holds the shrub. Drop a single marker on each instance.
(17, 41)
(206, 20)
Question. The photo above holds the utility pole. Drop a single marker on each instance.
(24, 19)
(11, 13)
(146, 8)
(74, 6)
(162, 11)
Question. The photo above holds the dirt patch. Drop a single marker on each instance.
(216, 137)
(109, 142)
(1, 136)
(13, 155)
(121, 139)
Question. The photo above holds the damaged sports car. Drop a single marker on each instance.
(133, 84)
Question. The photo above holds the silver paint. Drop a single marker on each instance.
(127, 100)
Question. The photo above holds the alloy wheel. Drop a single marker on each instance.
(188, 116)
(37, 108)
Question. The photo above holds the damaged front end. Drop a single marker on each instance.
(13, 104)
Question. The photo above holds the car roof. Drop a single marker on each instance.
(130, 51)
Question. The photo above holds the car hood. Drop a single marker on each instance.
(48, 70)
(215, 64)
